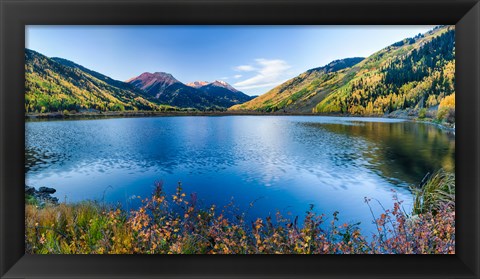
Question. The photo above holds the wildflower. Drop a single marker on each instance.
(42, 239)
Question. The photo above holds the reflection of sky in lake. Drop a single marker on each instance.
(281, 162)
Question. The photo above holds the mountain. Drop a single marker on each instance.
(55, 84)
(301, 93)
(106, 79)
(168, 90)
(223, 84)
(416, 74)
(223, 92)
(216, 83)
(412, 74)
(201, 95)
(155, 82)
(337, 65)
(197, 84)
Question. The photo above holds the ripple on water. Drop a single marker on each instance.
(283, 162)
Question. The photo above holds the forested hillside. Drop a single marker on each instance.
(303, 92)
(60, 85)
(415, 74)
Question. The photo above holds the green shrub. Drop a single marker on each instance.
(422, 113)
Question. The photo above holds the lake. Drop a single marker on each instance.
(261, 163)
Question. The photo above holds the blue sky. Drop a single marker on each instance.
(253, 59)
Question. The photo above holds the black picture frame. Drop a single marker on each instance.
(15, 14)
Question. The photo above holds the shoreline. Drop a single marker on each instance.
(125, 114)
(133, 114)
(58, 115)
(438, 125)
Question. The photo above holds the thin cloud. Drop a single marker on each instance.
(237, 76)
(269, 73)
(245, 68)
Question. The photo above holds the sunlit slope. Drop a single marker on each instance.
(304, 91)
(413, 73)
(56, 85)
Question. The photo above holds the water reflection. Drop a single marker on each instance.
(403, 151)
(281, 162)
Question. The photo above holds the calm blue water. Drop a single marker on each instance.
(278, 162)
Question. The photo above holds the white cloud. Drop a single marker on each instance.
(245, 68)
(268, 73)
(237, 76)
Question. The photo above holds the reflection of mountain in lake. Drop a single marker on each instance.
(404, 150)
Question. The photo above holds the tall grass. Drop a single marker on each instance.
(436, 193)
(175, 224)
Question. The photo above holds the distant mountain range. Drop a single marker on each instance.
(221, 91)
(168, 90)
(414, 73)
(56, 84)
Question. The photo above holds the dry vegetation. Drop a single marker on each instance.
(175, 224)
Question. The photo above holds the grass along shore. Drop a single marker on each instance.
(175, 224)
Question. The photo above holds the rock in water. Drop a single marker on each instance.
(43, 195)
(46, 190)
(29, 190)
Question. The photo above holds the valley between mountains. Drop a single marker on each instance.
(414, 77)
